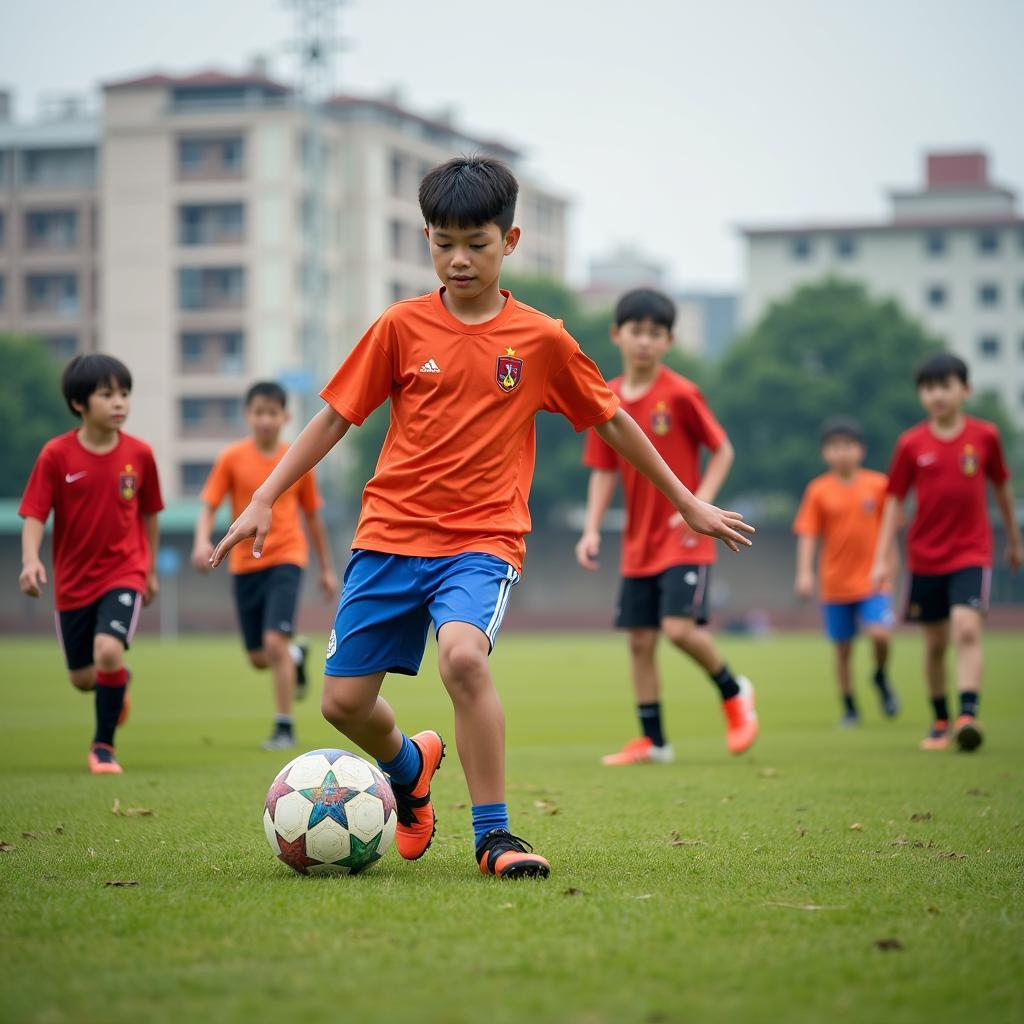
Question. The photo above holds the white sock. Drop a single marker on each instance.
(296, 652)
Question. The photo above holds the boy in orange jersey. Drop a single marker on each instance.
(841, 509)
(267, 591)
(665, 565)
(948, 461)
(440, 535)
(103, 489)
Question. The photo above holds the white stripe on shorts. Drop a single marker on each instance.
(135, 618)
(986, 588)
(504, 591)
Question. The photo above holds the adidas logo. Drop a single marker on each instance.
(430, 367)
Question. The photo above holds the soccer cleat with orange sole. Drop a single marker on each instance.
(968, 733)
(938, 738)
(416, 821)
(102, 760)
(741, 726)
(507, 856)
(642, 750)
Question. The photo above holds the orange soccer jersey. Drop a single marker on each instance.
(845, 516)
(239, 472)
(455, 470)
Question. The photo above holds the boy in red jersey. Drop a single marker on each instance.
(440, 535)
(947, 461)
(665, 564)
(842, 509)
(267, 591)
(103, 489)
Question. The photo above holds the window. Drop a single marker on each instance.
(988, 294)
(397, 168)
(51, 229)
(846, 247)
(211, 288)
(62, 346)
(988, 242)
(211, 224)
(398, 291)
(56, 294)
(936, 295)
(989, 346)
(211, 416)
(194, 476)
(209, 158)
(58, 166)
(801, 248)
(935, 243)
(219, 352)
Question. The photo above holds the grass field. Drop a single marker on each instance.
(796, 861)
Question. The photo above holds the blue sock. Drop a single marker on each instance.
(486, 817)
(406, 765)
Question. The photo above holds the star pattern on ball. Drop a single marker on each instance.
(361, 855)
(279, 789)
(294, 854)
(328, 800)
(383, 792)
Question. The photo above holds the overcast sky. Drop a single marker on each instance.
(666, 122)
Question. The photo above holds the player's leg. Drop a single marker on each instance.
(969, 599)
(844, 680)
(928, 604)
(280, 602)
(875, 614)
(470, 594)
(684, 617)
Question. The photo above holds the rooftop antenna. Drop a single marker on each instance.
(315, 43)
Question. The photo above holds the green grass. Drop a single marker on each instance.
(217, 929)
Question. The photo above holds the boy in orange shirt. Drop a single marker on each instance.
(665, 565)
(441, 534)
(267, 591)
(842, 509)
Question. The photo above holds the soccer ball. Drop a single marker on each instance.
(330, 812)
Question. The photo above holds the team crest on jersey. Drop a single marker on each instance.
(509, 370)
(969, 460)
(661, 419)
(129, 483)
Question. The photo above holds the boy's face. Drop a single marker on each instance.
(843, 455)
(943, 398)
(266, 418)
(643, 343)
(107, 407)
(468, 260)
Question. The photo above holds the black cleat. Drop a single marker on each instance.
(507, 856)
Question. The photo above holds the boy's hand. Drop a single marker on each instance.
(805, 586)
(253, 522)
(328, 583)
(728, 527)
(587, 549)
(880, 577)
(201, 555)
(32, 578)
(1015, 554)
(152, 589)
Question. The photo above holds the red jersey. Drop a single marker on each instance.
(950, 530)
(98, 501)
(678, 422)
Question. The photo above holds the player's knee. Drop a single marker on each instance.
(642, 645)
(275, 646)
(463, 664)
(258, 658)
(108, 653)
(681, 632)
(967, 632)
(344, 707)
(83, 679)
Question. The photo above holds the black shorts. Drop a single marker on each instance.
(931, 597)
(681, 591)
(114, 614)
(267, 599)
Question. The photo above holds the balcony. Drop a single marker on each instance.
(211, 159)
(211, 224)
(51, 230)
(214, 353)
(211, 289)
(54, 295)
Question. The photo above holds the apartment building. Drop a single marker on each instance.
(951, 253)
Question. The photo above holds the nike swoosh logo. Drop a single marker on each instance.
(70, 478)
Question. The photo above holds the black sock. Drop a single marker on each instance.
(969, 703)
(848, 705)
(283, 723)
(881, 680)
(941, 709)
(650, 722)
(110, 689)
(727, 685)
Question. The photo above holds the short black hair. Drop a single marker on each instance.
(936, 369)
(267, 389)
(841, 426)
(468, 192)
(86, 374)
(646, 304)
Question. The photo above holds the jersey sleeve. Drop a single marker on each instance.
(578, 391)
(701, 422)
(218, 483)
(808, 522)
(598, 454)
(309, 494)
(151, 500)
(40, 489)
(364, 380)
(901, 470)
(995, 464)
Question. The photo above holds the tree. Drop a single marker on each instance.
(32, 409)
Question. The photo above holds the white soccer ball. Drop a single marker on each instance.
(330, 812)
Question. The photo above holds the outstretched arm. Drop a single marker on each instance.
(320, 435)
(600, 491)
(1014, 545)
(622, 433)
(882, 572)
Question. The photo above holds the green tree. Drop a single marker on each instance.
(32, 409)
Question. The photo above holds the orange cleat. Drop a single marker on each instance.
(416, 822)
(938, 738)
(102, 760)
(642, 750)
(967, 733)
(740, 718)
(507, 856)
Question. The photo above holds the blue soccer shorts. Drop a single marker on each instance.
(843, 619)
(389, 601)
